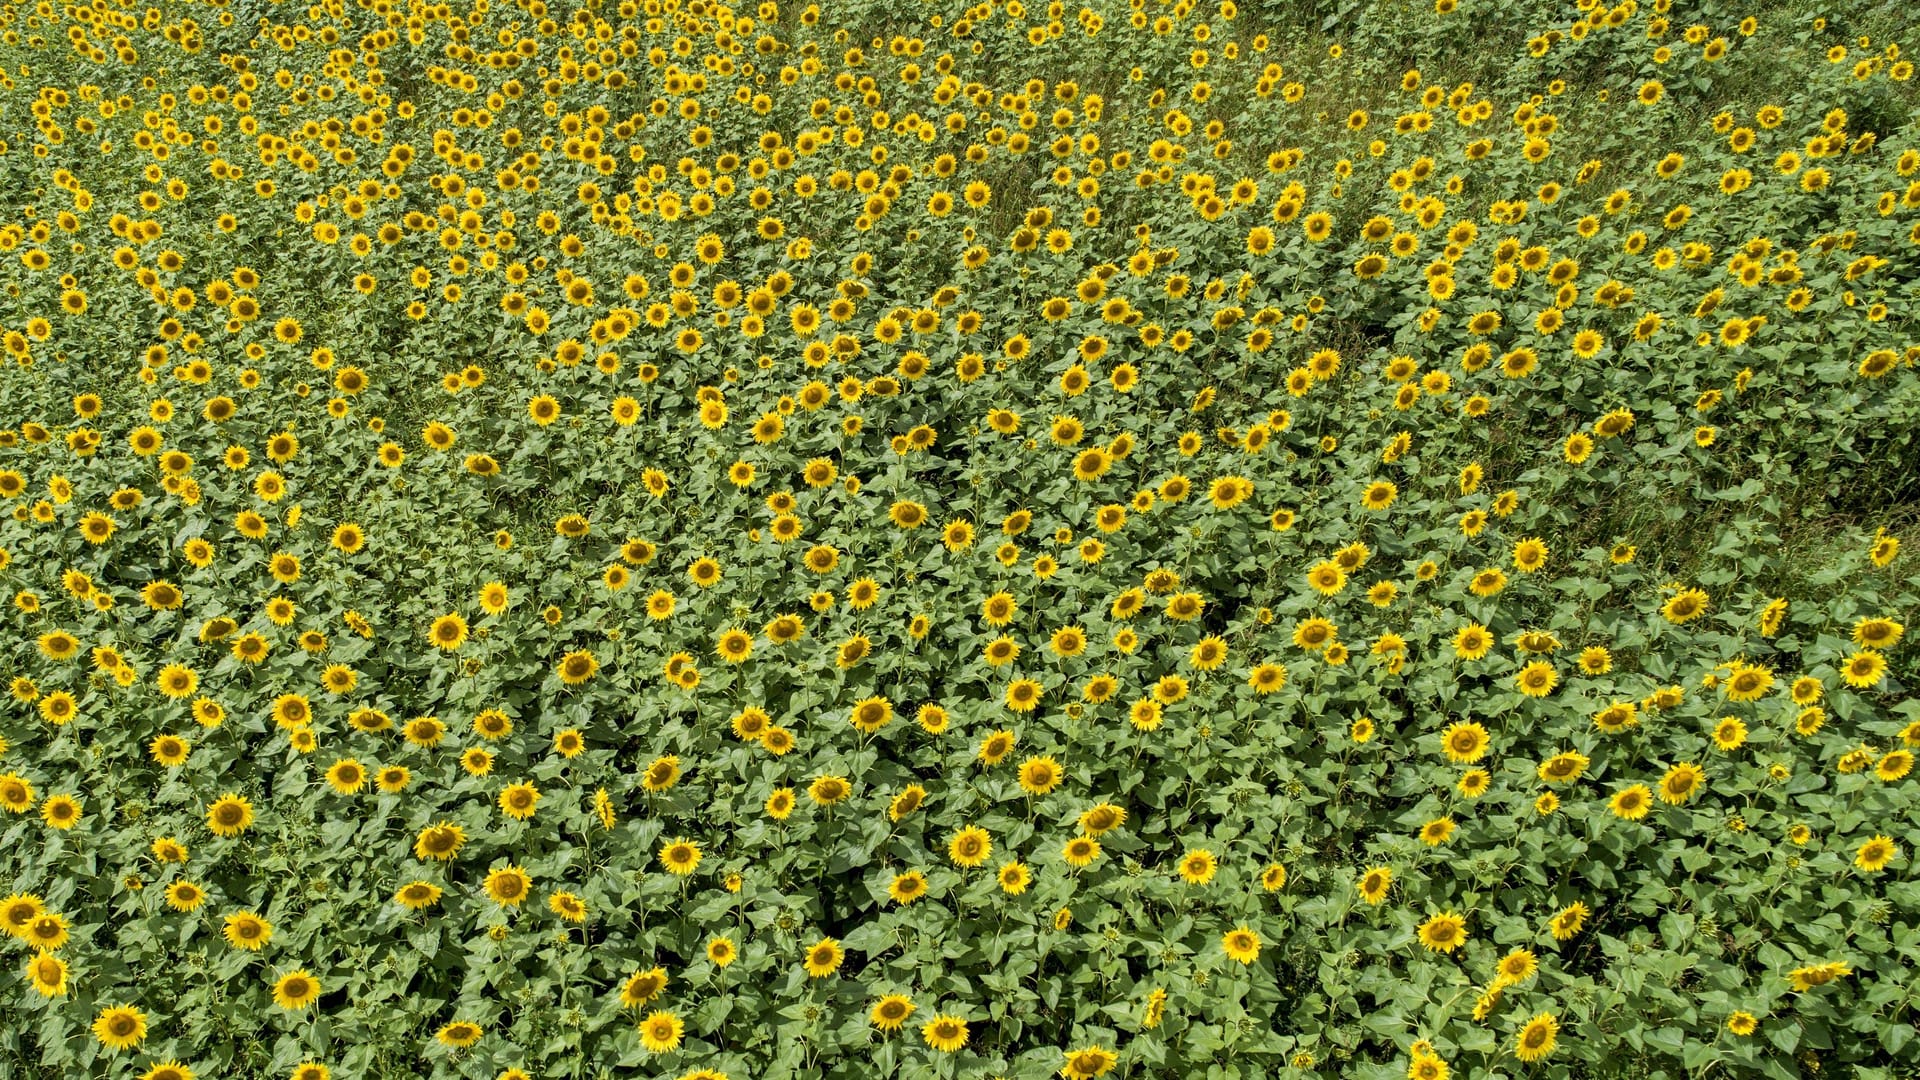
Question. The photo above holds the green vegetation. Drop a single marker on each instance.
(913, 540)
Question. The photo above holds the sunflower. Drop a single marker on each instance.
(1617, 717)
(16, 794)
(1537, 1038)
(185, 896)
(853, 652)
(944, 1033)
(1091, 464)
(1863, 670)
(780, 803)
(97, 528)
(1088, 1063)
(1197, 867)
(969, 847)
(1039, 775)
(577, 667)
(59, 645)
(492, 724)
(1816, 975)
(1878, 634)
(1631, 803)
(339, 679)
(1241, 944)
(1529, 555)
(660, 1032)
(783, 629)
(1884, 548)
(1464, 742)
(933, 719)
(48, 975)
(663, 772)
(891, 1012)
(18, 911)
(1517, 966)
(660, 606)
(1685, 606)
(229, 815)
(508, 885)
(568, 906)
(1472, 642)
(1444, 932)
(1145, 714)
(47, 931)
(1729, 733)
(518, 801)
(1080, 851)
(250, 648)
(705, 573)
(1537, 679)
(907, 887)
(643, 986)
(417, 895)
(1314, 634)
(734, 645)
(1068, 641)
(346, 776)
(162, 596)
(292, 711)
(459, 1034)
(1747, 683)
(995, 747)
(751, 723)
(1568, 920)
(120, 1027)
(1564, 767)
(296, 990)
(1537, 642)
(1000, 651)
(680, 857)
(871, 714)
(1874, 855)
(1327, 579)
(1267, 678)
(60, 811)
(1102, 818)
(1680, 783)
(829, 790)
(823, 958)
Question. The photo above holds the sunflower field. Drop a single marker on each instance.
(1159, 539)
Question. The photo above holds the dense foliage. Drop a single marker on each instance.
(1160, 540)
